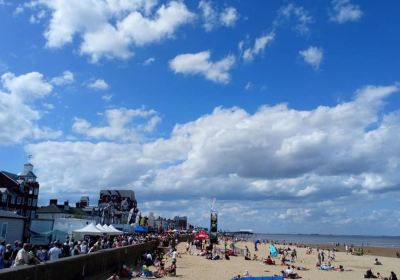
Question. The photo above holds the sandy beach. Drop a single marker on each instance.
(198, 267)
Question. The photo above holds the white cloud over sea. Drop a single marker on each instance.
(276, 161)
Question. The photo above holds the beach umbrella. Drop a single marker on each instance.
(202, 235)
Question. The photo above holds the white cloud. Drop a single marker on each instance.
(200, 64)
(110, 29)
(213, 18)
(18, 118)
(299, 14)
(299, 166)
(122, 124)
(228, 16)
(66, 78)
(107, 97)
(248, 86)
(259, 46)
(343, 11)
(149, 61)
(98, 84)
(313, 56)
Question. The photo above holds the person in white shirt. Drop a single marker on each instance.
(55, 252)
(22, 255)
(84, 248)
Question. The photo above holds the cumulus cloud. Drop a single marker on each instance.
(121, 126)
(200, 64)
(110, 29)
(66, 78)
(343, 11)
(18, 117)
(312, 56)
(297, 14)
(228, 16)
(258, 48)
(213, 18)
(276, 154)
(98, 84)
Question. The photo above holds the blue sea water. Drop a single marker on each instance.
(356, 240)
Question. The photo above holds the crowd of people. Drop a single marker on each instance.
(26, 254)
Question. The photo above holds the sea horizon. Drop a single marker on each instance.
(356, 240)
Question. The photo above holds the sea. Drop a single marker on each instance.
(356, 240)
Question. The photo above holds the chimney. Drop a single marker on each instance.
(53, 202)
(66, 205)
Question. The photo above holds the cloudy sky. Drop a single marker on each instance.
(286, 112)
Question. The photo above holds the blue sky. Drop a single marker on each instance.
(286, 111)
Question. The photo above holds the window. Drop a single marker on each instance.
(30, 190)
(29, 201)
(35, 191)
(18, 200)
(34, 202)
(4, 197)
(3, 232)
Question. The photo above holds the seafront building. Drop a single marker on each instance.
(19, 195)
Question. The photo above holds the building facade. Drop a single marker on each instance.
(117, 206)
(19, 192)
(11, 226)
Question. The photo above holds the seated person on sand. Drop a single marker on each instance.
(377, 262)
(146, 272)
(159, 273)
(171, 270)
(283, 260)
(340, 268)
(255, 257)
(290, 273)
(269, 261)
(369, 274)
(247, 256)
(392, 276)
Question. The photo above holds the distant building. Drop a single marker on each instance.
(54, 211)
(180, 222)
(118, 206)
(11, 226)
(19, 194)
(83, 202)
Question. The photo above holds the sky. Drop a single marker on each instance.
(286, 112)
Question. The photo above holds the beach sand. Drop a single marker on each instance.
(197, 267)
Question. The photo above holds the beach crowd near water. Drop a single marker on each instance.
(231, 258)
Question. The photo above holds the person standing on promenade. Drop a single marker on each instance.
(8, 256)
(55, 252)
(22, 255)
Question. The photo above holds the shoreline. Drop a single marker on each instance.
(368, 250)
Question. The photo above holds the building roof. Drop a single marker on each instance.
(58, 209)
(49, 209)
(10, 215)
(121, 193)
(10, 175)
(27, 174)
